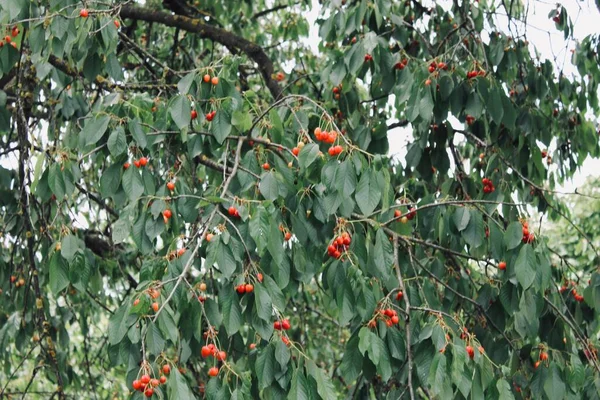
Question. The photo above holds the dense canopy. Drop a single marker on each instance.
(199, 200)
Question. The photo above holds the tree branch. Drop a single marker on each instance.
(226, 38)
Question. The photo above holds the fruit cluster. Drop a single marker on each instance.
(433, 66)
(488, 185)
(324, 136)
(214, 80)
(336, 91)
(339, 245)
(527, 236)
(296, 150)
(474, 74)
(210, 116)
(146, 384)
(14, 32)
(401, 64)
(141, 162)
(368, 57)
(211, 350)
(18, 282)
(244, 288)
(282, 325)
(233, 212)
(335, 150)
(388, 315)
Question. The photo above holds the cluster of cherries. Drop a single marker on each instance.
(139, 163)
(336, 91)
(389, 315)
(146, 384)
(296, 150)
(214, 80)
(368, 57)
(474, 74)
(282, 325)
(401, 64)
(527, 236)
(578, 297)
(233, 212)
(244, 288)
(18, 282)
(543, 357)
(339, 245)
(488, 185)
(176, 253)
(209, 116)
(433, 66)
(154, 294)
(14, 32)
(328, 137)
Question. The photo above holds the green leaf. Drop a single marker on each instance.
(263, 303)
(133, 183)
(138, 133)
(368, 194)
(268, 186)
(180, 111)
(494, 105)
(324, 385)
(69, 246)
(185, 84)
(154, 340)
(232, 313)
(474, 234)
(504, 390)
(95, 129)
(120, 230)
(220, 126)
(110, 180)
(300, 389)
(345, 178)
(265, 367)
(308, 155)
(117, 143)
(177, 386)
(461, 218)
(59, 273)
(282, 353)
(555, 387)
(241, 120)
(525, 266)
(352, 360)
(513, 235)
(56, 181)
(119, 323)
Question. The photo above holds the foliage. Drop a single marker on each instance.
(175, 205)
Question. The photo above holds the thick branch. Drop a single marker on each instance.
(228, 39)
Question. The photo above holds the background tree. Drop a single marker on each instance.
(182, 219)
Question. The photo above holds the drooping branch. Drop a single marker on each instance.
(226, 38)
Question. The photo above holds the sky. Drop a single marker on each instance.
(543, 37)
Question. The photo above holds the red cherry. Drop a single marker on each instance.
(205, 351)
(155, 306)
(149, 392)
(277, 325)
(259, 276)
(163, 379)
(136, 302)
(252, 346)
(137, 163)
(166, 369)
(83, 13)
(395, 319)
(249, 288)
(470, 352)
(194, 114)
(137, 385)
(126, 165)
(15, 31)
(221, 356)
(399, 296)
(232, 211)
(145, 379)
(171, 186)
(167, 213)
(431, 69)
(154, 382)
(266, 166)
(397, 213)
(206, 78)
(143, 161)
(286, 324)
(502, 265)
(388, 313)
(117, 24)
(214, 371)
(241, 289)
(295, 151)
